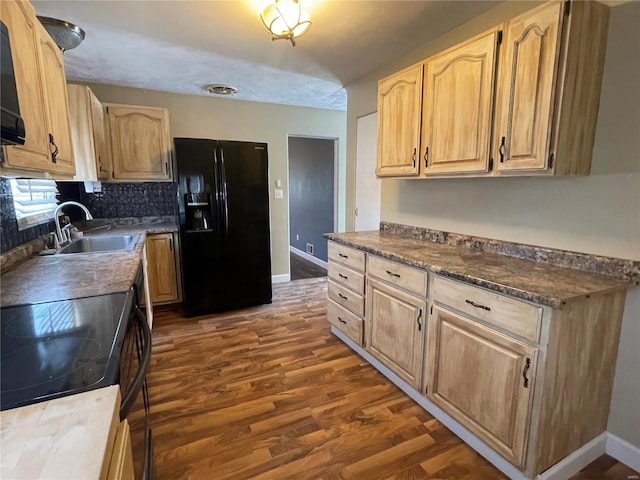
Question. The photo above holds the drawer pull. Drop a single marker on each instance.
(342, 296)
(477, 305)
(343, 276)
(389, 272)
(527, 365)
(343, 256)
(342, 321)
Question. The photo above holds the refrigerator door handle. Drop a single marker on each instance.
(217, 196)
(225, 197)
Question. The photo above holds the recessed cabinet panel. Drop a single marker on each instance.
(524, 103)
(399, 102)
(456, 114)
(483, 379)
(395, 330)
(140, 142)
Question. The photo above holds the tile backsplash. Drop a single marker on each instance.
(119, 200)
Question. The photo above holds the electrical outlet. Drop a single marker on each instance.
(310, 248)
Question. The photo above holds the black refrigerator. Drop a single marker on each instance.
(223, 196)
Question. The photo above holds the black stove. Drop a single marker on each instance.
(49, 350)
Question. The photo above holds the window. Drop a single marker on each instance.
(33, 200)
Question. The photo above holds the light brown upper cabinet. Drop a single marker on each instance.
(88, 134)
(456, 111)
(399, 105)
(41, 87)
(542, 105)
(140, 143)
(550, 74)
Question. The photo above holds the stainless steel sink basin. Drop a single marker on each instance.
(100, 244)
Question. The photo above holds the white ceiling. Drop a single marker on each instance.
(182, 46)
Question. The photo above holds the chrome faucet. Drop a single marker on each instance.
(66, 237)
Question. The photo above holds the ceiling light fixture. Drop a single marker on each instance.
(285, 20)
(218, 89)
(65, 34)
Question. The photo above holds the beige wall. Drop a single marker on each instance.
(203, 117)
(596, 214)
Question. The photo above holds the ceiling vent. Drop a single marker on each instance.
(218, 89)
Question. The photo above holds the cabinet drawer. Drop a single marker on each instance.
(517, 317)
(348, 256)
(395, 273)
(347, 277)
(348, 299)
(347, 322)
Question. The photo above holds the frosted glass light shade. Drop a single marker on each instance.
(285, 19)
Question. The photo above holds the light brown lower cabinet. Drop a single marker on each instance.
(163, 268)
(121, 464)
(484, 379)
(395, 328)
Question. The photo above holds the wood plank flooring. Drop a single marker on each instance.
(269, 393)
(302, 268)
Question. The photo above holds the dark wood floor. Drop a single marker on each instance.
(302, 268)
(269, 393)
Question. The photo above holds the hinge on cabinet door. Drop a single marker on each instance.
(499, 37)
(551, 158)
(567, 8)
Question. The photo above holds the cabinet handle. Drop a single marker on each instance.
(477, 305)
(389, 272)
(341, 320)
(171, 244)
(342, 296)
(166, 168)
(343, 256)
(343, 276)
(527, 365)
(419, 322)
(502, 150)
(426, 157)
(54, 154)
(413, 157)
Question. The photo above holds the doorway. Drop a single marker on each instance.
(368, 186)
(312, 203)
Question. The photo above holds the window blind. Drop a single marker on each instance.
(34, 201)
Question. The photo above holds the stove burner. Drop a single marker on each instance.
(47, 362)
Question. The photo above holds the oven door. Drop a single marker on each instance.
(134, 364)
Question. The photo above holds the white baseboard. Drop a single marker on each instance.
(308, 257)
(623, 451)
(285, 277)
(573, 463)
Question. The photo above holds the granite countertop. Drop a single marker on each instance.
(68, 437)
(61, 277)
(537, 282)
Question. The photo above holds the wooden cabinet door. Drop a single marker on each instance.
(163, 281)
(399, 103)
(457, 108)
(20, 19)
(396, 323)
(483, 379)
(57, 105)
(140, 142)
(103, 157)
(526, 89)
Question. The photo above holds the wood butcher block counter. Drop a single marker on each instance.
(501, 342)
(61, 277)
(66, 438)
(527, 279)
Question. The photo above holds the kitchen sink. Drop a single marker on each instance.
(100, 244)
